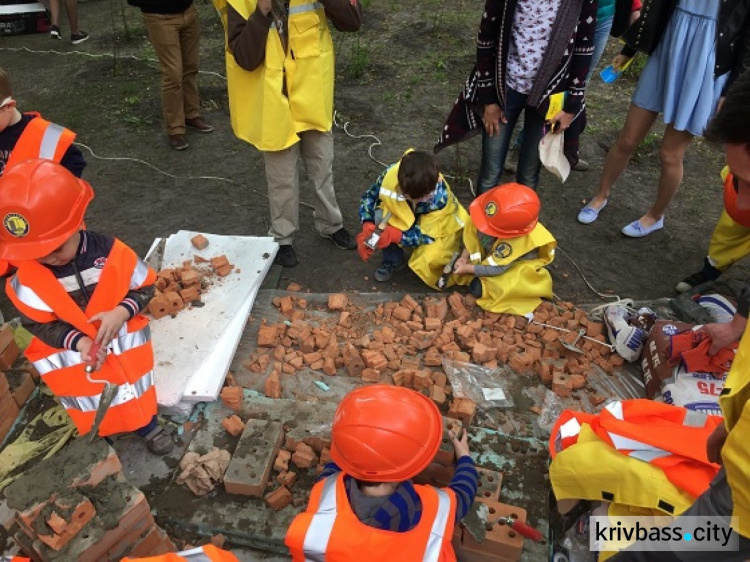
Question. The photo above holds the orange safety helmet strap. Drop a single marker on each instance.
(740, 216)
(41, 139)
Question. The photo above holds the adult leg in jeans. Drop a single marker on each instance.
(716, 505)
(529, 163)
(637, 125)
(495, 148)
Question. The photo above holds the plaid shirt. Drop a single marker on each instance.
(414, 236)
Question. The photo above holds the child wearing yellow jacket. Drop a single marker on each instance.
(505, 251)
(425, 215)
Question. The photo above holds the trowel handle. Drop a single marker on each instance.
(384, 222)
(93, 352)
(525, 530)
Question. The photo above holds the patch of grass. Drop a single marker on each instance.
(648, 147)
(636, 67)
(359, 60)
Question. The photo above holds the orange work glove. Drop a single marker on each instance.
(367, 229)
(391, 235)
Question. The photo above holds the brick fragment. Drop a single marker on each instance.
(432, 358)
(224, 270)
(279, 498)
(233, 425)
(190, 294)
(370, 375)
(436, 308)
(267, 335)
(199, 242)
(272, 386)
(294, 287)
(374, 359)
(304, 456)
(158, 307)
(286, 305)
(287, 479)
(21, 385)
(432, 324)
(401, 313)
(437, 394)
(422, 380)
(219, 261)
(561, 384)
(594, 329)
(190, 277)
(409, 302)
(345, 320)
(337, 301)
(463, 409)
(233, 396)
(282, 461)
(457, 306)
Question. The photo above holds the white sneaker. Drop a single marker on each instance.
(628, 340)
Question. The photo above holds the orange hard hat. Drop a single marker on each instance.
(384, 433)
(41, 205)
(506, 211)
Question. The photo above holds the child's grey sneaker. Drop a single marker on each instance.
(386, 271)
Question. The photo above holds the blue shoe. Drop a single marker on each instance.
(636, 230)
(588, 214)
(386, 271)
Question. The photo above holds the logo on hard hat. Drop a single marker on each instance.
(503, 250)
(16, 225)
(99, 262)
(490, 209)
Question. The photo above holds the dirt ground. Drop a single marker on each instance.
(397, 79)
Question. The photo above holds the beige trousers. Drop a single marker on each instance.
(175, 40)
(282, 173)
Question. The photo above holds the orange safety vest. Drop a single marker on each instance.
(37, 294)
(14, 559)
(669, 437)
(207, 553)
(330, 530)
(41, 139)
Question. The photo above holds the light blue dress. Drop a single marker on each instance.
(678, 79)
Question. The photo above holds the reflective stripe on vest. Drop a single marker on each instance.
(207, 553)
(125, 393)
(437, 533)
(321, 526)
(52, 135)
(28, 296)
(140, 273)
(476, 256)
(305, 8)
(391, 194)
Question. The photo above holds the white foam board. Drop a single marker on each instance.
(193, 350)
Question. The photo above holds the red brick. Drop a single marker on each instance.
(267, 335)
(521, 362)
(437, 393)
(482, 354)
(304, 456)
(501, 544)
(490, 483)
(436, 308)
(457, 306)
(279, 498)
(287, 479)
(561, 384)
(158, 307)
(286, 305)
(432, 324)
(190, 277)
(402, 313)
(594, 329)
(329, 366)
(337, 301)
(219, 262)
(311, 358)
(190, 294)
(371, 375)
(294, 287)
(282, 461)
(322, 339)
(233, 425)
(64, 530)
(272, 386)
(463, 409)
(578, 381)
(345, 320)
(409, 302)
(21, 386)
(422, 380)
(233, 396)
(422, 340)
(374, 359)
(432, 358)
(199, 241)
(224, 270)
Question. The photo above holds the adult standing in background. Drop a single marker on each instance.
(71, 9)
(527, 51)
(697, 49)
(174, 32)
(280, 76)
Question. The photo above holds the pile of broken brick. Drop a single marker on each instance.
(18, 380)
(177, 288)
(404, 343)
(78, 506)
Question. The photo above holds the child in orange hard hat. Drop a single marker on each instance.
(424, 215)
(506, 250)
(364, 505)
(80, 294)
(28, 135)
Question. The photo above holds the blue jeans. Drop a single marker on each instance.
(603, 27)
(393, 255)
(495, 149)
(148, 428)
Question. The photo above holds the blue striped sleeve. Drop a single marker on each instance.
(370, 201)
(464, 484)
(329, 469)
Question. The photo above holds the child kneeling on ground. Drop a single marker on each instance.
(424, 215)
(364, 506)
(506, 250)
(80, 294)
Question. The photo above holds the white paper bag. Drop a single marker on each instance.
(552, 155)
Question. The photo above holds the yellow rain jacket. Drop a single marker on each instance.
(522, 287)
(259, 111)
(444, 226)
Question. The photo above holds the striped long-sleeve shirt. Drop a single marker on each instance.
(402, 510)
(414, 236)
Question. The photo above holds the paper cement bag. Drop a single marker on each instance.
(552, 155)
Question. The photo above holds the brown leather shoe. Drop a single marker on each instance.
(199, 125)
(178, 142)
